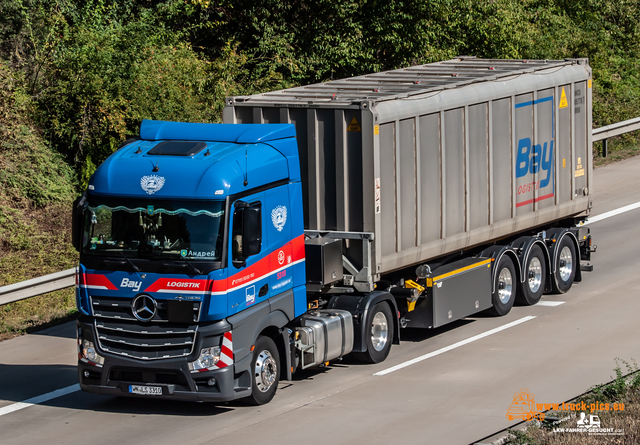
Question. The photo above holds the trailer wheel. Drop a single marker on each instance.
(535, 270)
(265, 372)
(504, 287)
(566, 265)
(378, 335)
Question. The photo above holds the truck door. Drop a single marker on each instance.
(279, 238)
(248, 282)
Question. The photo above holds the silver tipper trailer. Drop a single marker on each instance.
(456, 167)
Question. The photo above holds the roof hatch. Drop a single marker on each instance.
(177, 148)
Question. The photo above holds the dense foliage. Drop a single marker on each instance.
(88, 71)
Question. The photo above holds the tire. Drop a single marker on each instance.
(504, 285)
(535, 273)
(265, 371)
(566, 264)
(378, 335)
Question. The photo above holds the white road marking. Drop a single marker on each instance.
(39, 399)
(454, 346)
(549, 303)
(612, 213)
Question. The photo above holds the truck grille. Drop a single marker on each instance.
(169, 334)
(166, 310)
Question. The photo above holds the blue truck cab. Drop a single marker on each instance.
(192, 257)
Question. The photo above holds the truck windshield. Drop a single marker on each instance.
(168, 229)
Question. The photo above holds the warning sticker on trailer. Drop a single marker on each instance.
(579, 168)
(563, 100)
(354, 125)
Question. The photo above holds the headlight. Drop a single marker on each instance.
(89, 352)
(207, 359)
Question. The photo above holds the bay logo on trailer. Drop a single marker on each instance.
(535, 154)
(535, 159)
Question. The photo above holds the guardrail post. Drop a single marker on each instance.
(604, 148)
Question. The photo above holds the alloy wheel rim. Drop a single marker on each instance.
(505, 285)
(379, 331)
(265, 371)
(566, 263)
(535, 274)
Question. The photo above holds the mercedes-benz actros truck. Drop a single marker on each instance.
(320, 221)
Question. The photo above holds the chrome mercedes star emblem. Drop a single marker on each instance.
(143, 307)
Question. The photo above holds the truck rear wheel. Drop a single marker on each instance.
(266, 373)
(535, 271)
(566, 265)
(378, 335)
(504, 287)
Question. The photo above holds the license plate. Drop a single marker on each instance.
(145, 390)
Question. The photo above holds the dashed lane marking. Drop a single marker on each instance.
(615, 212)
(549, 303)
(39, 399)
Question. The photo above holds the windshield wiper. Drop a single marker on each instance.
(194, 268)
(135, 268)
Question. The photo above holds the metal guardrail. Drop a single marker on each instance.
(609, 131)
(66, 278)
(37, 286)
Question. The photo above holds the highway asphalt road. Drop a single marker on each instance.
(453, 396)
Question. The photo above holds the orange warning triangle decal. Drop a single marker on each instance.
(354, 125)
(563, 100)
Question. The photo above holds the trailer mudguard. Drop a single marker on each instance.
(359, 306)
(524, 245)
(496, 253)
(558, 234)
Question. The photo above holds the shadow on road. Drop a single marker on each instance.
(138, 406)
(22, 382)
(417, 335)
(65, 330)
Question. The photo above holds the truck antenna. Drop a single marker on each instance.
(244, 173)
(246, 167)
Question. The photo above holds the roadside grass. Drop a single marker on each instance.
(625, 388)
(37, 313)
(35, 242)
(618, 150)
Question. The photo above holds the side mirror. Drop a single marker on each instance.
(247, 232)
(79, 206)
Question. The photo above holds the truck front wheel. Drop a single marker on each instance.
(266, 373)
(378, 335)
(504, 287)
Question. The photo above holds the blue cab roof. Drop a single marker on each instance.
(261, 153)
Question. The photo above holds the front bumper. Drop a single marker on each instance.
(116, 376)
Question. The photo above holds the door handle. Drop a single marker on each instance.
(263, 290)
